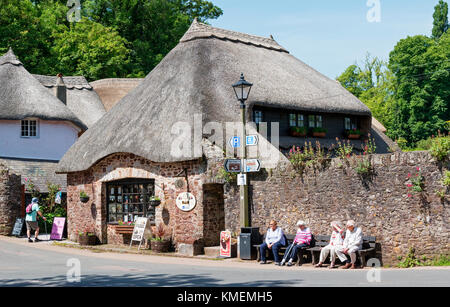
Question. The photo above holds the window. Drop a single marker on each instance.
(315, 121)
(350, 124)
(257, 117)
(300, 121)
(129, 200)
(29, 128)
(292, 120)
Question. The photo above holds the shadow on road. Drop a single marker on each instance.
(155, 280)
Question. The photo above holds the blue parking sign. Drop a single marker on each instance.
(235, 142)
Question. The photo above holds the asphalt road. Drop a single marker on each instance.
(40, 264)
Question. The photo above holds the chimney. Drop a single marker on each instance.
(61, 91)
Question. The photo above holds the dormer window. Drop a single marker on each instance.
(29, 128)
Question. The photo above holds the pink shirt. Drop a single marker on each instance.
(303, 236)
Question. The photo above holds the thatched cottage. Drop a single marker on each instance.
(127, 156)
(41, 117)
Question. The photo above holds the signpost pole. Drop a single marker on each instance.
(245, 221)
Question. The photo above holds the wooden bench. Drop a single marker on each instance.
(368, 248)
(289, 239)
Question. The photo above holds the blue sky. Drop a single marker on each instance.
(328, 35)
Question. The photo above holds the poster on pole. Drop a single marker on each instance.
(58, 228)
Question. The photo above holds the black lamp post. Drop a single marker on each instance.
(242, 90)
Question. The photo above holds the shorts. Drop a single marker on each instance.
(32, 225)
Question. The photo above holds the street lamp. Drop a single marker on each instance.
(242, 90)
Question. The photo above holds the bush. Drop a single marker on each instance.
(446, 179)
(440, 148)
(402, 143)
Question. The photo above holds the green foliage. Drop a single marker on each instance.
(319, 130)
(402, 143)
(114, 39)
(222, 174)
(299, 130)
(417, 184)
(446, 179)
(410, 94)
(440, 148)
(411, 260)
(83, 194)
(308, 156)
(440, 19)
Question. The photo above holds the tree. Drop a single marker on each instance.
(440, 19)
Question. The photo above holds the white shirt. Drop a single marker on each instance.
(353, 239)
(273, 236)
(336, 239)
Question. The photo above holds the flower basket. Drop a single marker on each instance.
(154, 202)
(158, 246)
(84, 199)
(354, 134)
(87, 239)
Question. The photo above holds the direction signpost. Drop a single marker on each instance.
(233, 165)
(252, 165)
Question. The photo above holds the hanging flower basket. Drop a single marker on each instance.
(154, 202)
(84, 198)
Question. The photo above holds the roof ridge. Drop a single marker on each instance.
(10, 58)
(200, 30)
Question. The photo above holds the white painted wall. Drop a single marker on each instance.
(54, 139)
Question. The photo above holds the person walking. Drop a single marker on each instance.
(302, 240)
(274, 240)
(336, 244)
(32, 211)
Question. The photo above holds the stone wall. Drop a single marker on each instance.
(183, 227)
(10, 200)
(380, 204)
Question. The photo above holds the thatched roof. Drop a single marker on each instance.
(22, 96)
(82, 100)
(112, 90)
(196, 78)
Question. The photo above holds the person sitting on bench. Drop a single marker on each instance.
(352, 243)
(336, 244)
(302, 239)
(274, 240)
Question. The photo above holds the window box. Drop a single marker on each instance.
(298, 131)
(319, 132)
(124, 229)
(353, 134)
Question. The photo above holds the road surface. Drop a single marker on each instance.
(41, 264)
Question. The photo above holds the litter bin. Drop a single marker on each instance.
(249, 236)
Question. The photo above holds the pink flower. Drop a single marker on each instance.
(409, 185)
(418, 168)
(409, 195)
(409, 175)
(26, 179)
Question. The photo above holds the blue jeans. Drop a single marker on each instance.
(275, 248)
(293, 254)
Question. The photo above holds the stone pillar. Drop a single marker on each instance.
(10, 200)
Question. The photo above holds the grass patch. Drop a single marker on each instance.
(411, 260)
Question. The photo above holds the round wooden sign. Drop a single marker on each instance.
(186, 201)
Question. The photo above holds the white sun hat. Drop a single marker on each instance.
(300, 222)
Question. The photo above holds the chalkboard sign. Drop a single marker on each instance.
(18, 227)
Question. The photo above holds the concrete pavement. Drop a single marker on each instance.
(42, 264)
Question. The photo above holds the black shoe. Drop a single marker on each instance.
(277, 263)
(30, 241)
(37, 240)
(263, 262)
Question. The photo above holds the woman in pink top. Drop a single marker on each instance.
(302, 240)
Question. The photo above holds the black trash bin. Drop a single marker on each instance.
(249, 236)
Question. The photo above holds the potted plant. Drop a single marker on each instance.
(87, 238)
(154, 201)
(159, 243)
(353, 134)
(298, 131)
(84, 197)
(319, 132)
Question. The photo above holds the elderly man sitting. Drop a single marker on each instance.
(352, 243)
(335, 245)
(274, 240)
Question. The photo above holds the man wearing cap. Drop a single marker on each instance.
(352, 243)
(335, 245)
(31, 221)
(302, 240)
(274, 240)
